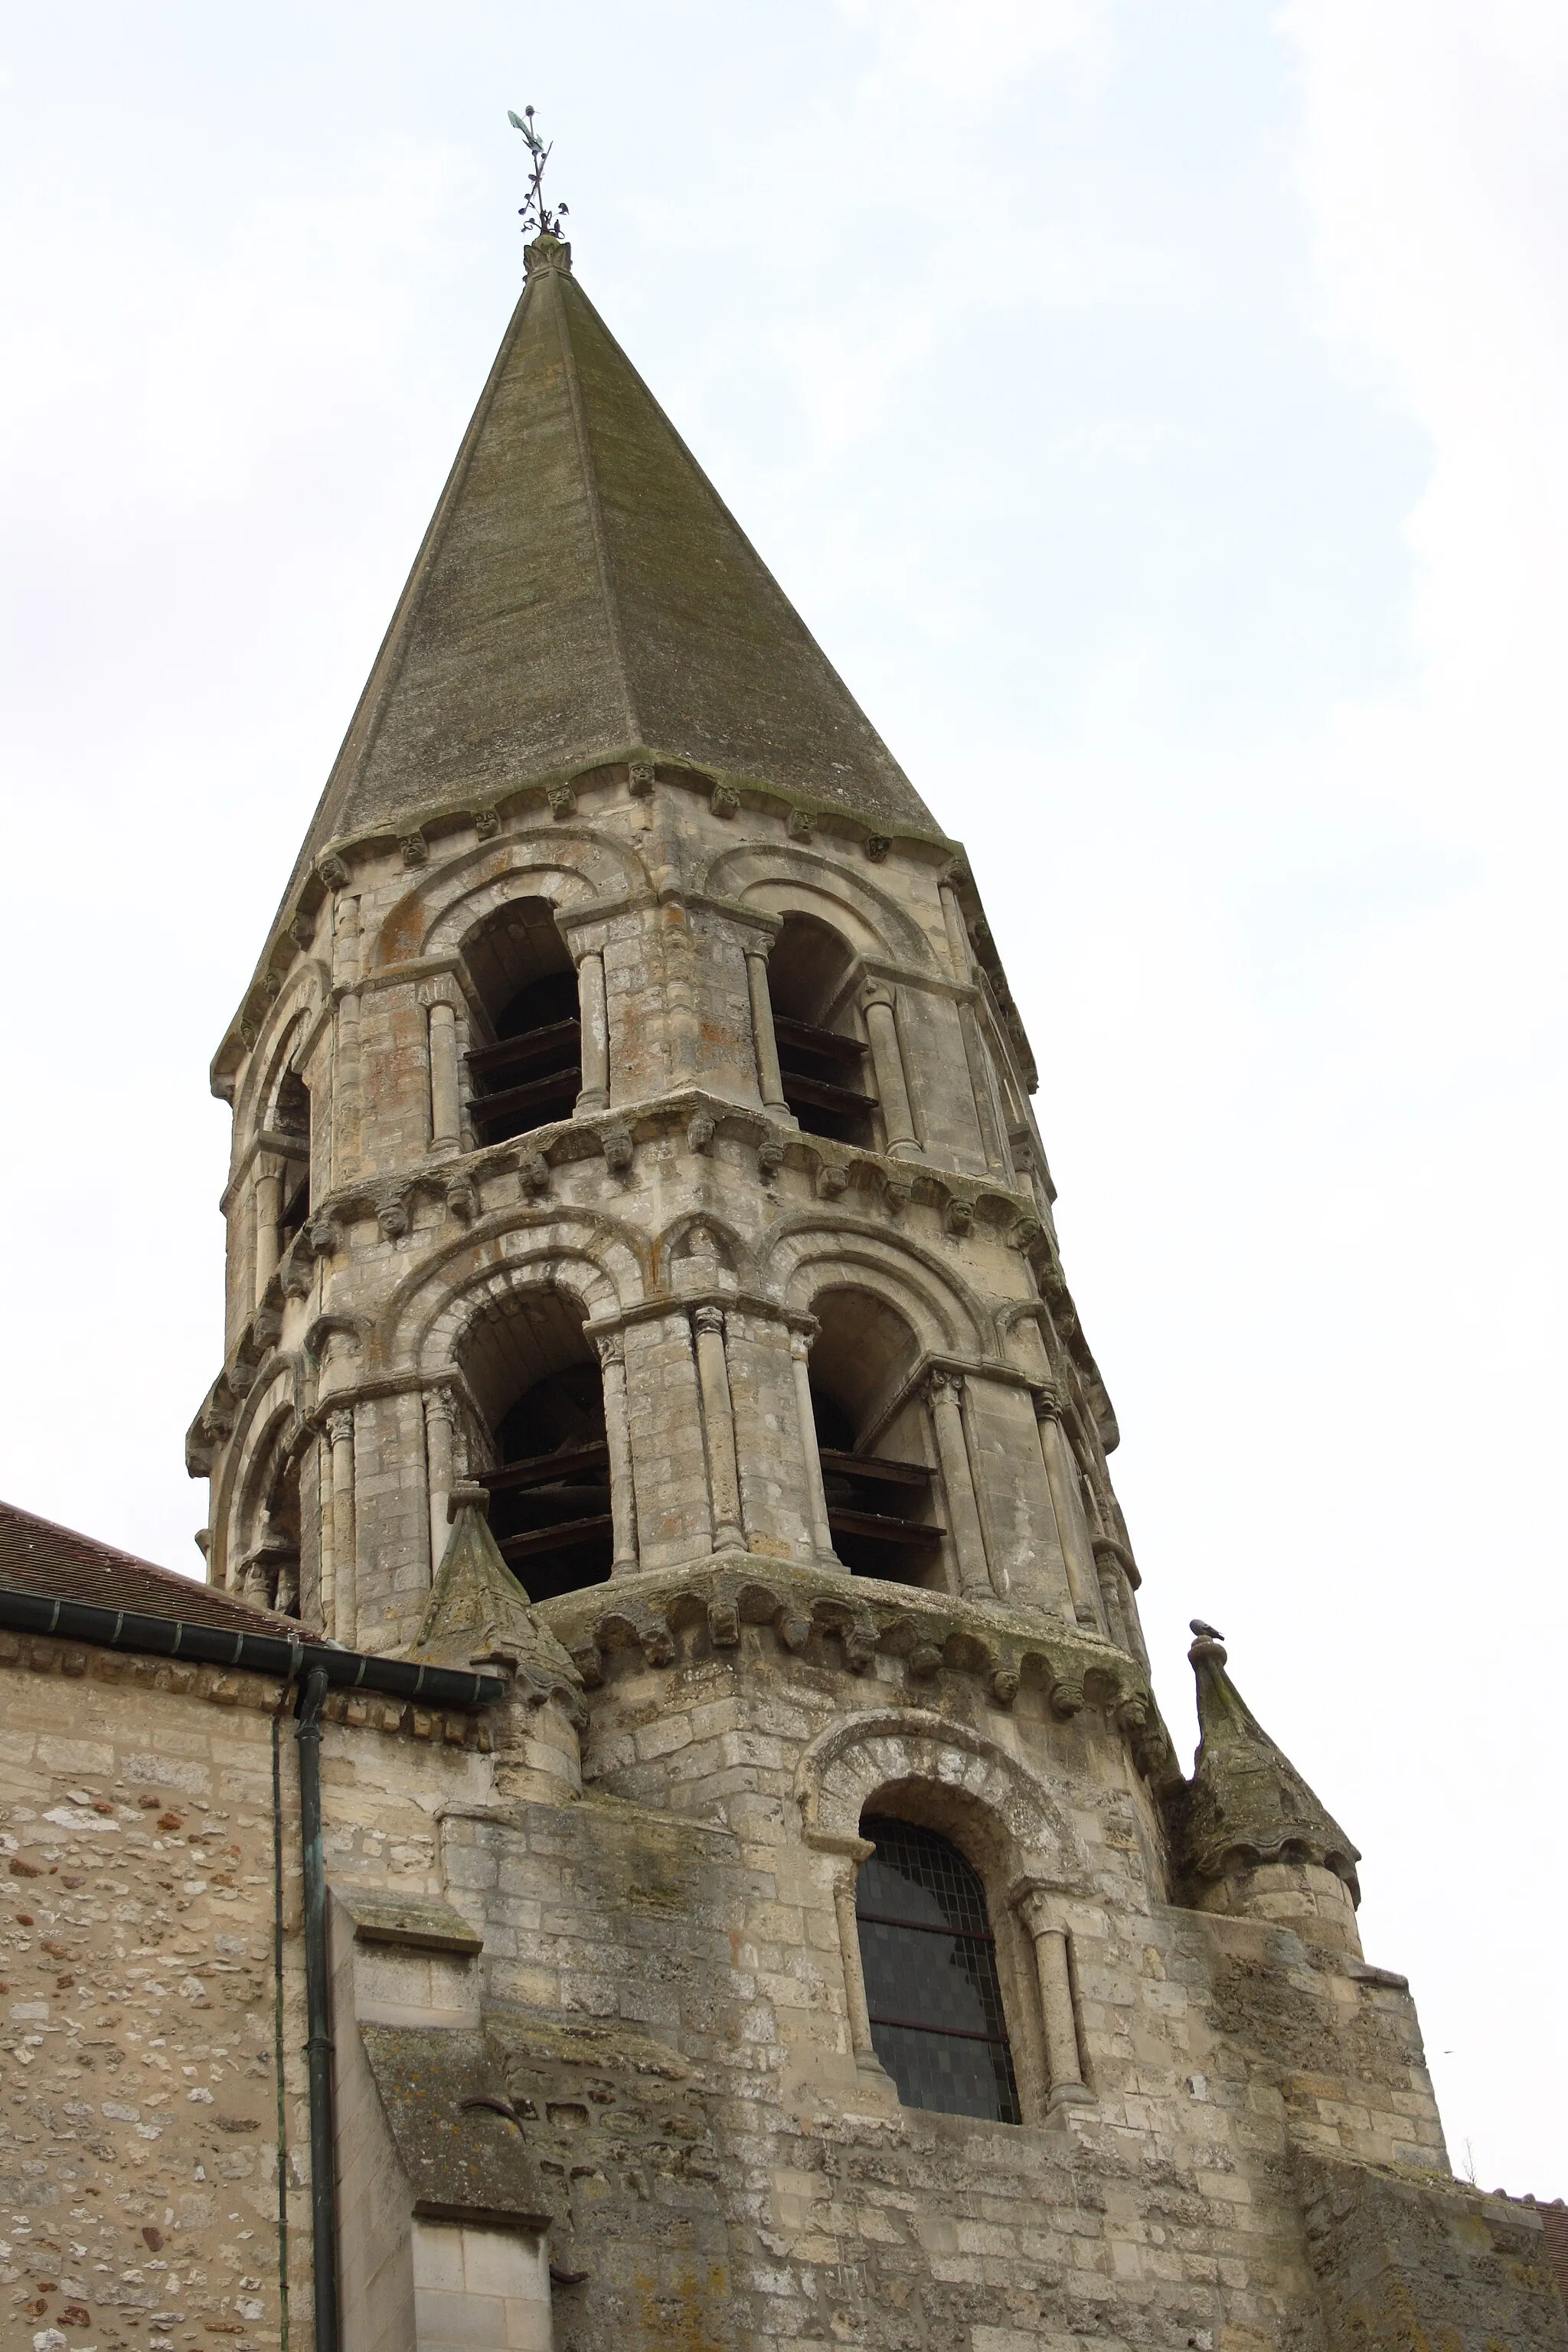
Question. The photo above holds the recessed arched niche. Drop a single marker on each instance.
(528, 1071)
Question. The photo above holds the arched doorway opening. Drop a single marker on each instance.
(531, 1073)
(878, 1481)
(538, 1383)
(813, 975)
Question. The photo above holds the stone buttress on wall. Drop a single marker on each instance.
(632, 1140)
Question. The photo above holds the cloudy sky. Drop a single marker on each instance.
(1156, 408)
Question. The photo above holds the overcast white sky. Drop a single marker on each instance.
(1156, 407)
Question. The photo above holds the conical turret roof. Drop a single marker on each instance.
(1247, 1800)
(583, 597)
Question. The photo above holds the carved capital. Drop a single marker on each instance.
(547, 252)
(440, 1404)
(800, 1346)
(1047, 1401)
(708, 1319)
(944, 1384)
(340, 1426)
(612, 1348)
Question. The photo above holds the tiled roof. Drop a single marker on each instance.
(36, 1555)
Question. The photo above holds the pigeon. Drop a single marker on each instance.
(1211, 1631)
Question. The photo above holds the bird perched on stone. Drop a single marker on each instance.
(1211, 1631)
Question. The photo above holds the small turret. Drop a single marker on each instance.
(1258, 1843)
(478, 1615)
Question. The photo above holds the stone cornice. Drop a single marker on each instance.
(856, 1620)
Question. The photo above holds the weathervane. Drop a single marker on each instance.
(535, 214)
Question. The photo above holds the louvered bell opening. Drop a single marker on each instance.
(532, 1074)
(542, 1391)
(823, 1077)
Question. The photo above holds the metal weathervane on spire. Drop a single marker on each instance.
(535, 215)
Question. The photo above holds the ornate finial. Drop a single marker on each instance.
(537, 217)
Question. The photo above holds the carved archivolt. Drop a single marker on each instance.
(286, 1023)
(799, 881)
(817, 1254)
(590, 1258)
(565, 867)
(847, 1766)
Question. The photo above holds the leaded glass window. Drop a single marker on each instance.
(928, 1959)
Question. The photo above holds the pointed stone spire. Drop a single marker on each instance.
(583, 597)
(478, 1615)
(1249, 1806)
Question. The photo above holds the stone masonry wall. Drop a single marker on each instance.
(138, 2092)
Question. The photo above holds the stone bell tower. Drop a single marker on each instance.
(630, 1110)
(642, 1279)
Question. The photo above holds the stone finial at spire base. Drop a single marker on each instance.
(547, 252)
(1257, 1841)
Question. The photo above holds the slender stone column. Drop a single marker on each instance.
(618, 1436)
(593, 1010)
(849, 1853)
(1113, 1562)
(326, 1601)
(770, 1084)
(440, 1424)
(341, 1429)
(1083, 1582)
(445, 1109)
(817, 1498)
(893, 1089)
(1057, 2011)
(943, 1393)
(347, 1102)
(719, 1421)
(269, 1213)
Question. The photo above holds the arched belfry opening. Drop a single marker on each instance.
(933, 1991)
(529, 1071)
(291, 1120)
(538, 1384)
(812, 976)
(880, 1490)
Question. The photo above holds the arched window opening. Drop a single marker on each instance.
(812, 978)
(531, 1073)
(929, 1961)
(540, 1385)
(880, 1496)
(269, 1570)
(291, 1119)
